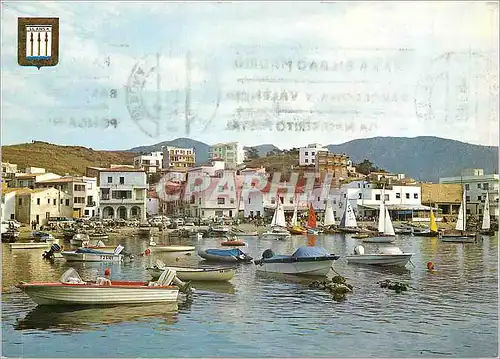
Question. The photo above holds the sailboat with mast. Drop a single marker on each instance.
(329, 219)
(461, 225)
(486, 225)
(385, 227)
(433, 228)
(294, 227)
(312, 221)
(278, 225)
(348, 223)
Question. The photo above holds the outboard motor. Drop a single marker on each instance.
(268, 253)
(359, 250)
(50, 253)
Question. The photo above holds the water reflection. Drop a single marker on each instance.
(75, 319)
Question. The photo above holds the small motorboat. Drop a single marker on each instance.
(99, 234)
(385, 256)
(42, 236)
(276, 232)
(234, 255)
(361, 236)
(78, 239)
(93, 255)
(239, 232)
(218, 230)
(458, 239)
(403, 230)
(29, 245)
(53, 253)
(72, 290)
(10, 236)
(315, 261)
(233, 241)
(99, 245)
(154, 247)
(211, 274)
(419, 232)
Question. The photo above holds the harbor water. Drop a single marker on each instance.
(452, 311)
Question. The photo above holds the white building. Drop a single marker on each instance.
(8, 209)
(365, 198)
(232, 153)
(476, 184)
(307, 155)
(30, 179)
(123, 193)
(151, 163)
(153, 206)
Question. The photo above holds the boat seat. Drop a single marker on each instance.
(103, 281)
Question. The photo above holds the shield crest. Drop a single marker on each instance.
(38, 41)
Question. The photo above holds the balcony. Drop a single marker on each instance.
(107, 200)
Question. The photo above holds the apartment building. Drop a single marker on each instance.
(232, 153)
(307, 155)
(152, 163)
(178, 157)
(30, 177)
(40, 204)
(83, 192)
(123, 193)
(476, 184)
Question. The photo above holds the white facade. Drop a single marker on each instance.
(30, 179)
(151, 163)
(123, 194)
(91, 208)
(153, 206)
(307, 155)
(232, 153)
(476, 184)
(8, 210)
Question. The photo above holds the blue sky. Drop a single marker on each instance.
(292, 73)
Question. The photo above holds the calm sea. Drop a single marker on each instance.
(450, 312)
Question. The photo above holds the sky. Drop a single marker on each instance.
(295, 73)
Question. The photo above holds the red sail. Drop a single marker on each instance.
(311, 220)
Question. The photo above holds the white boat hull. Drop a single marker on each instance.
(316, 268)
(379, 240)
(197, 274)
(274, 235)
(397, 260)
(91, 257)
(159, 248)
(458, 239)
(98, 295)
(33, 245)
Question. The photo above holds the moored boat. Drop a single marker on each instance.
(460, 235)
(93, 255)
(278, 225)
(234, 255)
(155, 247)
(209, 274)
(486, 224)
(239, 232)
(314, 261)
(78, 239)
(385, 256)
(432, 231)
(233, 241)
(348, 223)
(42, 236)
(72, 290)
(29, 245)
(385, 228)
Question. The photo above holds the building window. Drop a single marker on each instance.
(480, 211)
(407, 195)
(86, 212)
(377, 197)
(468, 211)
(110, 179)
(54, 201)
(122, 180)
(306, 153)
(221, 200)
(291, 200)
(306, 160)
(199, 200)
(273, 200)
(62, 201)
(479, 185)
(20, 201)
(67, 202)
(486, 186)
(360, 195)
(386, 197)
(38, 201)
(478, 198)
(466, 186)
(319, 199)
(48, 200)
(398, 195)
(248, 200)
(467, 198)
(415, 196)
(231, 201)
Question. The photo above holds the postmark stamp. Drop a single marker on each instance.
(458, 87)
(37, 41)
(163, 95)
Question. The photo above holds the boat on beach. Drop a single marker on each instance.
(208, 274)
(72, 290)
(384, 256)
(234, 255)
(313, 261)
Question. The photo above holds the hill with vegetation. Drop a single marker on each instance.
(62, 159)
(200, 148)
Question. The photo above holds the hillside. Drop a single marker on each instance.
(200, 148)
(62, 159)
(423, 158)
(262, 150)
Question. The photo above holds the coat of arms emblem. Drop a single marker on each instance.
(38, 41)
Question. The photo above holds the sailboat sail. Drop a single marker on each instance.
(311, 218)
(294, 217)
(433, 224)
(388, 227)
(348, 219)
(381, 217)
(273, 221)
(460, 226)
(280, 216)
(486, 214)
(329, 216)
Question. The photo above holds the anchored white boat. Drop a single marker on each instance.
(93, 255)
(385, 227)
(305, 261)
(385, 256)
(278, 225)
(29, 245)
(348, 223)
(78, 239)
(460, 236)
(72, 290)
(154, 247)
(486, 225)
(211, 274)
